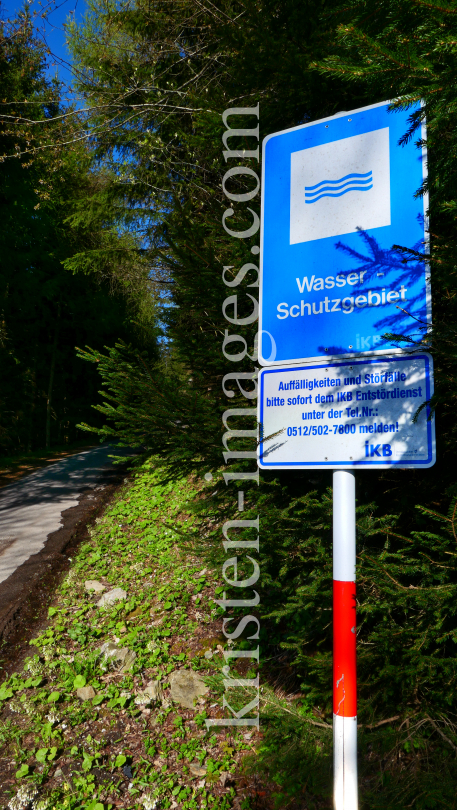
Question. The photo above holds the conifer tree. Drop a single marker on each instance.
(45, 309)
(405, 51)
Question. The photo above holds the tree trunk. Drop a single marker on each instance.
(51, 381)
(31, 420)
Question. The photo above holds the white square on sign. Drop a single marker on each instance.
(338, 187)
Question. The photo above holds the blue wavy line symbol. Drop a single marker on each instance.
(336, 188)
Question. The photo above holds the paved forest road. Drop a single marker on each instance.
(31, 509)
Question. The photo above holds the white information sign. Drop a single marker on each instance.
(357, 413)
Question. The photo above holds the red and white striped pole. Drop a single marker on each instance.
(344, 643)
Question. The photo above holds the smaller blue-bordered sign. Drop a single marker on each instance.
(337, 195)
(353, 413)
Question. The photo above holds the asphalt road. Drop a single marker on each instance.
(31, 508)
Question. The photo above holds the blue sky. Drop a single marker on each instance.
(50, 28)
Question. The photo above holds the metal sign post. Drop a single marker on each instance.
(337, 194)
(343, 416)
(344, 643)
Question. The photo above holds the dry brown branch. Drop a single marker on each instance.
(381, 722)
(441, 733)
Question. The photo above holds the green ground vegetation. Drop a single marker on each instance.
(117, 748)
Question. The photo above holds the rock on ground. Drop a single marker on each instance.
(186, 687)
(85, 692)
(111, 597)
(94, 585)
(153, 691)
(121, 655)
(197, 770)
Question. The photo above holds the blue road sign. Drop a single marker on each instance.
(337, 195)
(348, 414)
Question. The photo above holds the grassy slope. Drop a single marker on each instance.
(76, 754)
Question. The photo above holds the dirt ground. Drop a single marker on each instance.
(26, 595)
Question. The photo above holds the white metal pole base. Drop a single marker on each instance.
(345, 796)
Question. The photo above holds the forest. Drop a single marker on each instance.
(115, 268)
